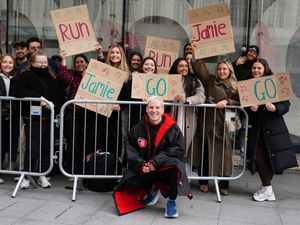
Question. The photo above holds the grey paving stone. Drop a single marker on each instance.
(54, 206)
(289, 216)
(7, 220)
(250, 214)
(18, 208)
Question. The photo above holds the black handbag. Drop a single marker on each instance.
(100, 163)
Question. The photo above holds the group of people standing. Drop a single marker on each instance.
(155, 150)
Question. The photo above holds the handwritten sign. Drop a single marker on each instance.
(261, 90)
(164, 85)
(164, 51)
(74, 30)
(101, 82)
(211, 28)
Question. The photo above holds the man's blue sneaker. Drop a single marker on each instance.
(152, 197)
(171, 210)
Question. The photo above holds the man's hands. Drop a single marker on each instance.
(148, 167)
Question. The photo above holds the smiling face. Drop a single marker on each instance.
(258, 69)
(34, 47)
(251, 55)
(40, 61)
(80, 64)
(223, 71)
(135, 62)
(183, 68)
(148, 66)
(7, 65)
(188, 49)
(115, 56)
(155, 110)
(21, 52)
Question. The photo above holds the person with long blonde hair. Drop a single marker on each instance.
(116, 58)
(222, 91)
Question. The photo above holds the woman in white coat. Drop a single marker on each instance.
(193, 94)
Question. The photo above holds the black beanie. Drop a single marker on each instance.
(254, 48)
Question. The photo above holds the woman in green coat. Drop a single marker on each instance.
(221, 89)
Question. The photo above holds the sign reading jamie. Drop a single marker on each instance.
(164, 51)
(164, 85)
(211, 29)
(74, 30)
(261, 90)
(100, 82)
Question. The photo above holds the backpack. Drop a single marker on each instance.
(98, 168)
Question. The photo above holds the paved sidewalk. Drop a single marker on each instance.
(54, 206)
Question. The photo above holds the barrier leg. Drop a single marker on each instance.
(217, 190)
(32, 181)
(74, 188)
(18, 185)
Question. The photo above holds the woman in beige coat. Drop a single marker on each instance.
(222, 91)
(192, 94)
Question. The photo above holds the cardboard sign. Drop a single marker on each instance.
(211, 28)
(275, 88)
(74, 30)
(164, 51)
(164, 85)
(101, 82)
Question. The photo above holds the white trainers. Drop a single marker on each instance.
(264, 195)
(43, 182)
(260, 190)
(25, 184)
(1, 181)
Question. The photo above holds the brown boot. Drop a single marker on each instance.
(204, 188)
(224, 191)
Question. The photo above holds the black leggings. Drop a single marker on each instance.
(168, 177)
(263, 165)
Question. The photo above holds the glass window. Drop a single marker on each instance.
(273, 25)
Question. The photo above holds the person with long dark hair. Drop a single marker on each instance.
(192, 93)
(270, 148)
(78, 121)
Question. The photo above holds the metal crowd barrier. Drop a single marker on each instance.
(18, 117)
(235, 116)
(84, 128)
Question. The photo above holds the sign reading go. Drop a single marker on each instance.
(261, 90)
(164, 85)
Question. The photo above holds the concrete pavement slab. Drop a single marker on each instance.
(54, 206)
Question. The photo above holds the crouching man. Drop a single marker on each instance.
(154, 153)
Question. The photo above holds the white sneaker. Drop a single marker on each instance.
(264, 195)
(43, 182)
(1, 181)
(260, 190)
(25, 184)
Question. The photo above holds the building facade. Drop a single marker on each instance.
(273, 25)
